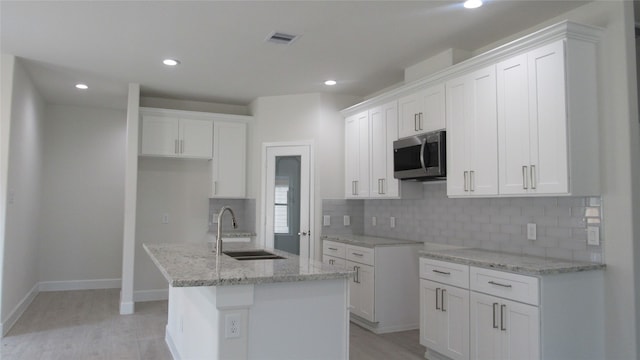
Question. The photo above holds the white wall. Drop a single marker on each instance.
(83, 189)
(179, 188)
(20, 269)
(300, 118)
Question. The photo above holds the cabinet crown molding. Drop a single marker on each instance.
(562, 30)
(194, 114)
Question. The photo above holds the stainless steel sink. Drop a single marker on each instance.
(252, 255)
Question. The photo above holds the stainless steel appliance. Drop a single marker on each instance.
(420, 157)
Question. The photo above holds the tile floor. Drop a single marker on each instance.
(86, 325)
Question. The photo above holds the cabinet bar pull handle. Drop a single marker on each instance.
(215, 187)
(437, 297)
(175, 146)
(334, 249)
(380, 186)
(357, 192)
(524, 177)
(495, 323)
(356, 254)
(415, 122)
(420, 121)
(466, 180)
(353, 187)
(181, 146)
(502, 326)
(331, 262)
(355, 278)
(472, 180)
(442, 299)
(498, 284)
(533, 176)
(441, 272)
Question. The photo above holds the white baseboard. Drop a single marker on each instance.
(80, 285)
(170, 344)
(13, 317)
(150, 295)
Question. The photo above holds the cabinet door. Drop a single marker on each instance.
(513, 126)
(409, 108)
(485, 334)
(457, 146)
(432, 116)
(366, 303)
(355, 292)
(159, 136)
(482, 124)
(196, 138)
(548, 119)
(383, 121)
(430, 315)
(357, 155)
(520, 325)
(229, 160)
(455, 322)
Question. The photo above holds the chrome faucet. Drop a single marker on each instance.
(219, 234)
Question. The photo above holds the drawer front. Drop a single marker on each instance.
(330, 260)
(333, 248)
(506, 285)
(445, 272)
(360, 254)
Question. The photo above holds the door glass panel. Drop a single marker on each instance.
(286, 219)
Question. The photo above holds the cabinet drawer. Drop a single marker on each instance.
(360, 254)
(333, 248)
(330, 260)
(445, 272)
(506, 285)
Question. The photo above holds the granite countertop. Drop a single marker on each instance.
(521, 264)
(185, 265)
(234, 234)
(368, 241)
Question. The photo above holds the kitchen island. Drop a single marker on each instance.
(223, 308)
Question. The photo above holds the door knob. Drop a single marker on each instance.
(304, 233)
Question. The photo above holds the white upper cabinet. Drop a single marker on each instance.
(229, 160)
(357, 155)
(472, 146)
(176, 137)
(547, 118)
(384, 131)
(422, 112)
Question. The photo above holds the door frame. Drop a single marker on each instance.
(312, 191)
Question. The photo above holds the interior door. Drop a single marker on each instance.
(288, 199)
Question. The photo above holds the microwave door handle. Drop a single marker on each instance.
(424, 144)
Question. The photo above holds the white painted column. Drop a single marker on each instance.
(130, 194)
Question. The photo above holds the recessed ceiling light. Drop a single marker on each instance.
(472, 4)
(330, 82)
(82, 86)
(170, 62)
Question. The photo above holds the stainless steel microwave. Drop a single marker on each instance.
(421, 157)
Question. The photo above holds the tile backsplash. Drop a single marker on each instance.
(244, 209)
(493, 224)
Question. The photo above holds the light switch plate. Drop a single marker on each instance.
(531, 231)
(165, 218)
(593, 235)
(347, 220)
(326, 220)
(392, 222)
(374, 221)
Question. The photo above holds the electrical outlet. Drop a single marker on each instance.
(232, 326)
(593, 235)
(392, 222)
(12, 196)
(326, 220)
(374, 221)
(347, 220)
(165, 218)
(531, 232)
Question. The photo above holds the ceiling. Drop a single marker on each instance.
(364, 45)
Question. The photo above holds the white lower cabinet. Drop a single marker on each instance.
(383, 296)
(503, 329)
(444, 319)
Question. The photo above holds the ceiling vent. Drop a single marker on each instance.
(281, 38)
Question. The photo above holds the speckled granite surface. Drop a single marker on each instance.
(521, 264)
(368, 241)
(186, 265)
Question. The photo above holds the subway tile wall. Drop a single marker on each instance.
(244, 209)
(493, 224)
(337, 209)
